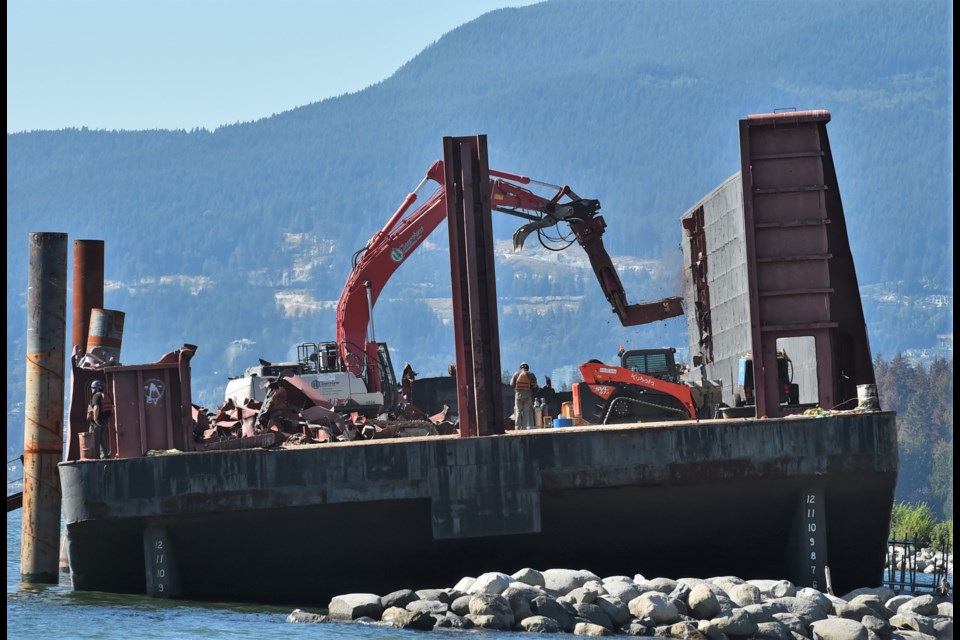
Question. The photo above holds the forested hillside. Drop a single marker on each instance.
(239, 239)
(923, 399)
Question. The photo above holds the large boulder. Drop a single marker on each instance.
(461, 606)
(702, 602)
(595, 615)
(300, 616)
(587, 593)
(943, 627)
(531, 577)
(808, 610)
(492, 582)
(519, 598)
(539, 624)
(838, 629)
(485, 606)
(735, 623)
(623, 590)
(560, 582)
(443, 595)
(400, 598)
(453, 621)
(434, 607)
(684, 630)
(770, 589)
(726, 583)
(873, 602)
(744, 594)
(791, 621)
(589, 629)
(550, 608)
(760, 612)
(775, 630)
(912, 622)
(615, 608)
(654, 605)
(884, 593)
(680, 593)
(816, 596)
(404, 619)
(464, 584)
(351, 606)
(877, 625)
(661, 585)
(924, 605)
(893, 604)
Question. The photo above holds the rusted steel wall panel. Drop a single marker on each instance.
(797, 265)
(43, 408)
(148, 411)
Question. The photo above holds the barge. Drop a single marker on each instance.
(802, 490)
(754, 498)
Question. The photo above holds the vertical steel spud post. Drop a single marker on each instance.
(43, 408)
(87, 287)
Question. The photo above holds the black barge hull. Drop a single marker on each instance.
(751, 498)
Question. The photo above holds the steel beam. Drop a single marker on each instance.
(473, 284)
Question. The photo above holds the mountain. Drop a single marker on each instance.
(239, 239)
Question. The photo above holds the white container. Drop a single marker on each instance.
(867, 397)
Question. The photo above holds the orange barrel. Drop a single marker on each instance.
(88, 446)
(106, 332)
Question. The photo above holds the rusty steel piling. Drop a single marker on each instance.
(106, 333)
(43, 410)
(87, 287)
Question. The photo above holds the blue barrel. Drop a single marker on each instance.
(562, 422)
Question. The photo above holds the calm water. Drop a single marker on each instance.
(59, 612)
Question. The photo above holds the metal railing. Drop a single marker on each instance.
(900, 569)
(15, 496)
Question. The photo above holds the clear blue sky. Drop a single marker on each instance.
(180, 64)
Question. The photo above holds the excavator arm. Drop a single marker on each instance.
(376, 262)
(589, 234)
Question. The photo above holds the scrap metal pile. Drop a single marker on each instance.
(293, 413)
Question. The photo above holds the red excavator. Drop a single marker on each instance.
(374, 264)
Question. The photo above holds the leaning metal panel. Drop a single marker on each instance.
(769, 268)
(801, 276)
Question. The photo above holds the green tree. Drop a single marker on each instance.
(912, 522)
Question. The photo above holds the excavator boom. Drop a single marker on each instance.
(375, 263)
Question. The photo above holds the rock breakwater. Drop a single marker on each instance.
(582, 603)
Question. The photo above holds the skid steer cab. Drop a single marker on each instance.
(744, 394)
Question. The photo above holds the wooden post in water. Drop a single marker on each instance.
(43, 408)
